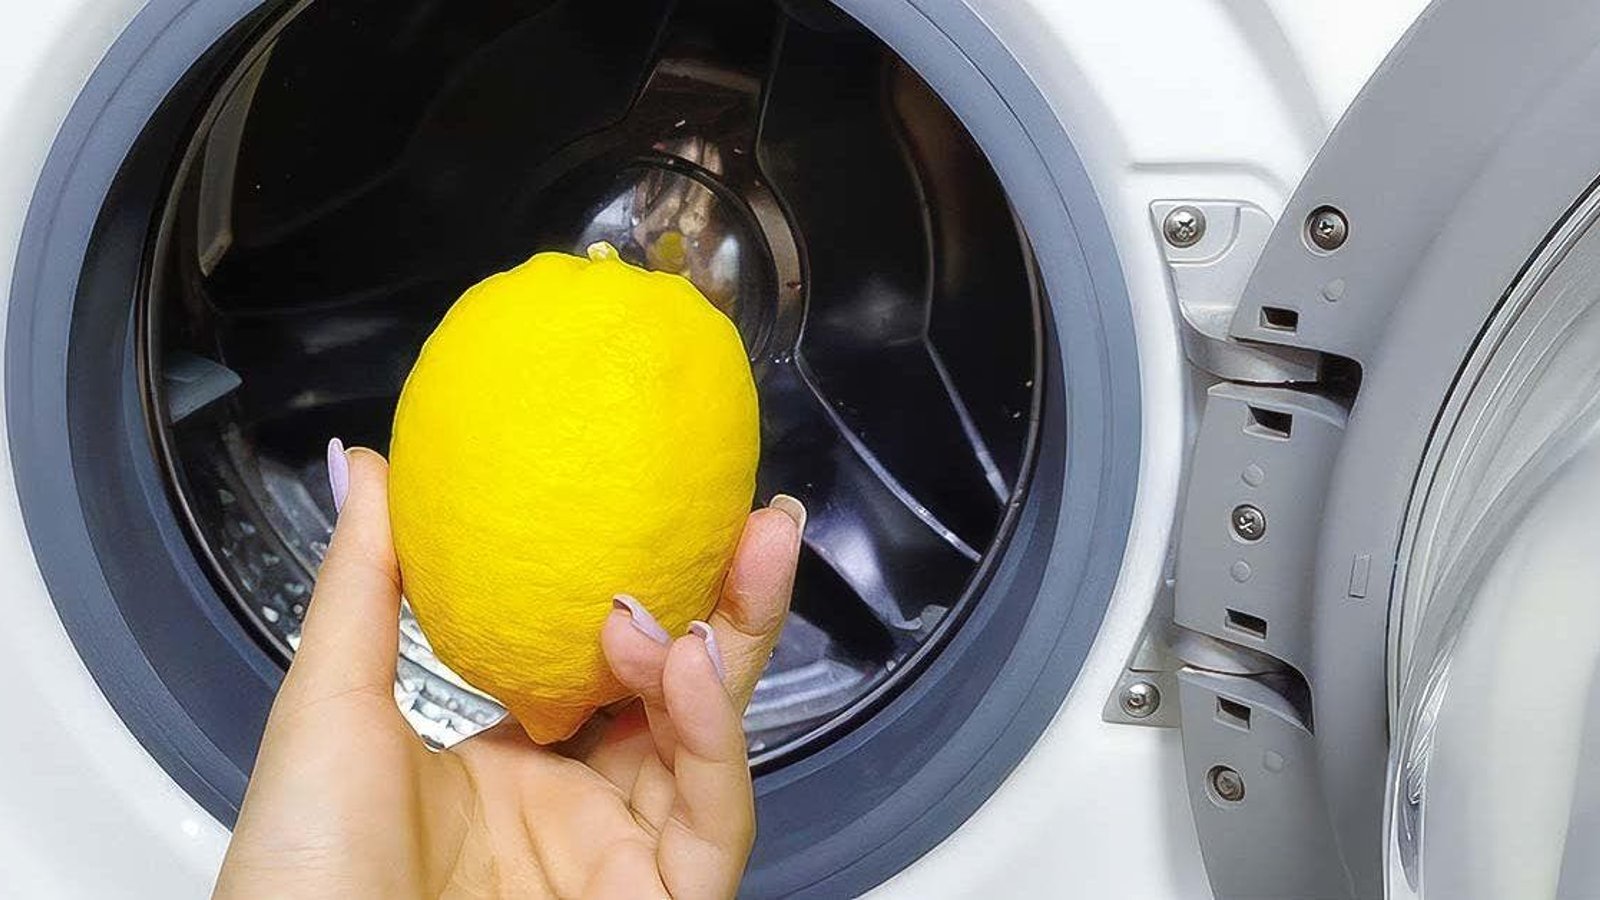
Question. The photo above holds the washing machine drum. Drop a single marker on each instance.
(257, 212)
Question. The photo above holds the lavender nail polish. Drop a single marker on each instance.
(641, 619)
(338, 473)
(703, 631)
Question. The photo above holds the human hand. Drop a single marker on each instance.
(650, 800)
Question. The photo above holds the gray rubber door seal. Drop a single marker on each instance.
(1450, 170)
(191, 684)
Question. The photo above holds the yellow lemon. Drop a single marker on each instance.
(574, 429)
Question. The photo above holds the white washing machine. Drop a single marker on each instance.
(1198, 491)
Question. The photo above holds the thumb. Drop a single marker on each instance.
(350, 637)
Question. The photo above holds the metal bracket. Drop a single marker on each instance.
(1210, 247)
(1147, 692)
(1224, 652)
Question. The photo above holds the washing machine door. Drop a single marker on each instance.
(1385, 585)
(258, 209)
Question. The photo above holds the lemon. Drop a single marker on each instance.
(573, 429)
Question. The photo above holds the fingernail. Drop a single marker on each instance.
(641, 619)
(338, 473)
(708, 637)
(792, 508)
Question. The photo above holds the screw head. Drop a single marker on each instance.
(1140, 699)
(1226, 784)
(1184, 226)
(1327, 228)
(1249, 523)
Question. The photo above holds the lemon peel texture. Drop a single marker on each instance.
(574, 428)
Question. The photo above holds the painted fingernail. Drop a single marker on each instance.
(338, 473)
(708, 637)
(792, 508)
(641, 619)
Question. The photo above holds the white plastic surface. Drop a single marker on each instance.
(1182, 100)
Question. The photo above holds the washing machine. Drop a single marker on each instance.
(1195, 405)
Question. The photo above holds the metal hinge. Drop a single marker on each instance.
(1225, 651)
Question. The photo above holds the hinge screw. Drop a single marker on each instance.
(1249, 523)
(1184, 226)
(1140, 699)
(1226, 783)
(1327, 228)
